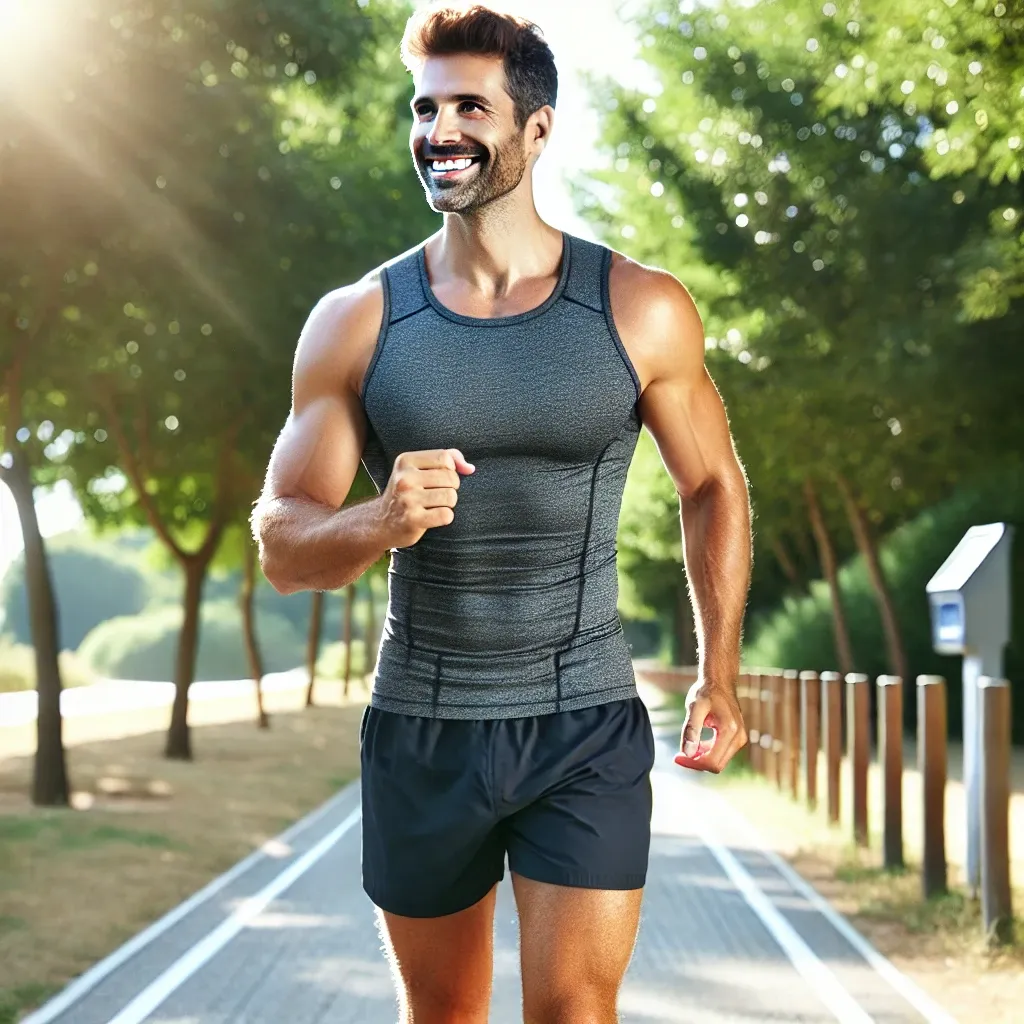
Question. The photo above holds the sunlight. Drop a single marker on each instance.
(28, 29)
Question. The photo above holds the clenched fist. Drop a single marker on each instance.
(422, 493)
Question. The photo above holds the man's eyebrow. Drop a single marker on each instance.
(462, 97)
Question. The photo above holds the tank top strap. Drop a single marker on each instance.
(588, 268)
(405, 287)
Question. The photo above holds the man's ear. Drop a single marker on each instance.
(543, 123)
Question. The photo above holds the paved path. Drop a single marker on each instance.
(728, 935)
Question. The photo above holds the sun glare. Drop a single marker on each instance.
(28, 29)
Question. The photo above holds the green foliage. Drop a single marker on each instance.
(143, 646)
(92, 581)
(18, 667)
(331, 663)
(799, 634)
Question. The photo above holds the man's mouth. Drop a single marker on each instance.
(449, 170)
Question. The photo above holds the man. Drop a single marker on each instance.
(493, 381)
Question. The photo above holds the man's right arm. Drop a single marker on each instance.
(307, 541)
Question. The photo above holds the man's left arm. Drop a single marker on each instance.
(684, 413)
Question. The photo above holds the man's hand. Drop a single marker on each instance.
(421, 494)
(716, 708)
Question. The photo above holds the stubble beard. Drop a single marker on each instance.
(494, 179)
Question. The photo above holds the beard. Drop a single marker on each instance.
(488, 180)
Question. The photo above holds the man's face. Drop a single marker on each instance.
(465, 144)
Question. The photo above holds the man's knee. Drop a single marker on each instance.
(444, 1004)
(578, 1004)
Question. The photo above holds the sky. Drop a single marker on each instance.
(585, 36)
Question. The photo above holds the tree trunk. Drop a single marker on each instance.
(869, 550)
(686, 636)
(179, 738)
(313, 641)
(252, 649)
(827, 558)
(785, 560)
(350, 600)
(50, 785)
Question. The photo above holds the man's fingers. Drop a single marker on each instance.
(696, 711)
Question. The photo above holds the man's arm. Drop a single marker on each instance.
(681, 407)
(306, 540)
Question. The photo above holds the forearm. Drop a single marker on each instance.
(308, 546)
(717, 556)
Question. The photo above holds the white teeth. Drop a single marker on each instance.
(441, 166)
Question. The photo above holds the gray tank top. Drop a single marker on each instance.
(512, 609)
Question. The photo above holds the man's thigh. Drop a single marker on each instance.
(442, 966)
(575, 947)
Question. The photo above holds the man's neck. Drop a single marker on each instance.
(494, 249)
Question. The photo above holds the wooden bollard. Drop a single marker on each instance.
(832, 733)
(931, 763)
(859, 750)
(767, 757)
(754, 725)
(778, 728)
(810, 734)
(791, 731)
(994, 784)
(890, 756)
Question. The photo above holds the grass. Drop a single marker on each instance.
(145, 833)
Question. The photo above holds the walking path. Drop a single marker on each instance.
(728, 934)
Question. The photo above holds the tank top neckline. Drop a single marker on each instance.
(496, 321)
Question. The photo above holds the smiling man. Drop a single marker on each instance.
(494, 381)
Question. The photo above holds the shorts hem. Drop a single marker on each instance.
(577, 880)
(422, 912)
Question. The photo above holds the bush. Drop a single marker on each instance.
(799, 635)
(331, 663)
(92, 582)
(144, 646)
(18, 668)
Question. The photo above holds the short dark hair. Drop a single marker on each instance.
(530, 74)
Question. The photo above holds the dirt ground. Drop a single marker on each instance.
(145, 833)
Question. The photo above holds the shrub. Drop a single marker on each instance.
(18, 667)
(144, 646)
(799, 634)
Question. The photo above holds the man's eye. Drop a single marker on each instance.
(470, 106)
(424, 111)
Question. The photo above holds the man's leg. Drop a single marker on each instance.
(575, 946)
(442, 966)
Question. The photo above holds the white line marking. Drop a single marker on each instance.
(91, 978)
(203, 951)
(817, 974)
(917, 997)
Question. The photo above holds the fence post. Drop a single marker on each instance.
(754, 725)
(832, 731)
(890, 756)
(931, 762)
(778, 727)
(810, 734)
(791, 755)
(994, 784)
(858, 743)
(767, 758)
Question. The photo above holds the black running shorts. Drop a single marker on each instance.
(565, 796)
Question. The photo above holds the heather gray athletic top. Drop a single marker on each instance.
(511, 610)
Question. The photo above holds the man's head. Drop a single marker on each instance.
(486, 86)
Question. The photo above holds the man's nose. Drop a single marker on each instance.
(444, 131)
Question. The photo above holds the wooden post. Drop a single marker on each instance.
(810, 737)
(778, 728)
(994, 784)
(767, 758)
(931, 762)
(754, 725)
(890, 756)
(791, 755)
(832, 732)
(858, 751)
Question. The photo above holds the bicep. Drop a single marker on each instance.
(317, 454)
